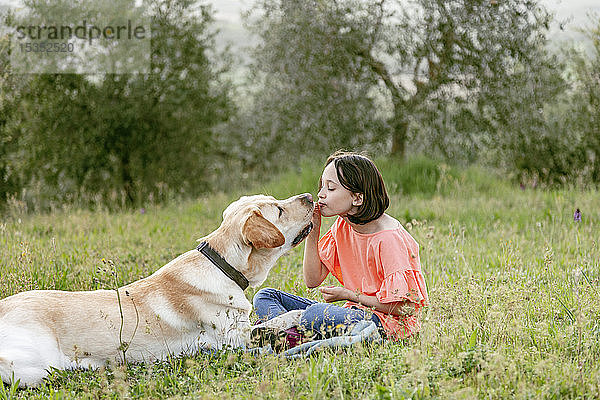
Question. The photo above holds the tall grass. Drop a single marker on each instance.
(513, 282)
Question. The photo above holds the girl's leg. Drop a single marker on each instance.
(327, 320)
(269, 303)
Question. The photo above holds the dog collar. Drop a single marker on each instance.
(223, 265)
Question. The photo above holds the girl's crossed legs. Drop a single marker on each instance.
(321, 318)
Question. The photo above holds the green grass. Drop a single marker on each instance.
(513, 283)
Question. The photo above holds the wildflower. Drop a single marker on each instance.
(142, 211)
(577, 273)
(577, 216)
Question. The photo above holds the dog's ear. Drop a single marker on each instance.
(261, 233)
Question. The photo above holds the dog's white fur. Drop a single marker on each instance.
(183, 307)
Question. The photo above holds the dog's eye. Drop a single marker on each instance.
(280, 211)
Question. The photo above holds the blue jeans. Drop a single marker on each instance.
(325, 320)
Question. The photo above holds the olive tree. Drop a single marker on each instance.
(568, 152)
(392, 63)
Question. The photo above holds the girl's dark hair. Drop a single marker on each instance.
(359, 174)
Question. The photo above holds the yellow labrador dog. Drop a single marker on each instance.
(194, 302)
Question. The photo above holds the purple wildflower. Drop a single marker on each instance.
(577, 215)
(142, 211)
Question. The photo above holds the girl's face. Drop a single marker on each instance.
(335, 199)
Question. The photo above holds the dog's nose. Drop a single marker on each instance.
(307, 198)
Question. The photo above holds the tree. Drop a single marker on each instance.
(125, 139)
(305, 96)
(561, 144)
(424, 56)
(8, 101)
(584, 115)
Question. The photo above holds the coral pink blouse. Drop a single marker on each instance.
(384, 264)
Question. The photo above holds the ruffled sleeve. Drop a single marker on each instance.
(400, 267)
(403, 285)
(328, 253)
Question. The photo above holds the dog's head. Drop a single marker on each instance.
(264, 228)
(267, 223)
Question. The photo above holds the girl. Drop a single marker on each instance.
(373, 257)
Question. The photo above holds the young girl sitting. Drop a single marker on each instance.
(373, 257)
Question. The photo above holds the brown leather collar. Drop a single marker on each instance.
(223, 265)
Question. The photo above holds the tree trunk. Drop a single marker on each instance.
(399, 133)
(127, 179)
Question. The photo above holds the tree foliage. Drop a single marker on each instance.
(8, 100)
(585, 115)
(566, 150)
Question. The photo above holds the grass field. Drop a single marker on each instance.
(513, 282)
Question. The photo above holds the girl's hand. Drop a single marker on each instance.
(316, 219)
(336, 293)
